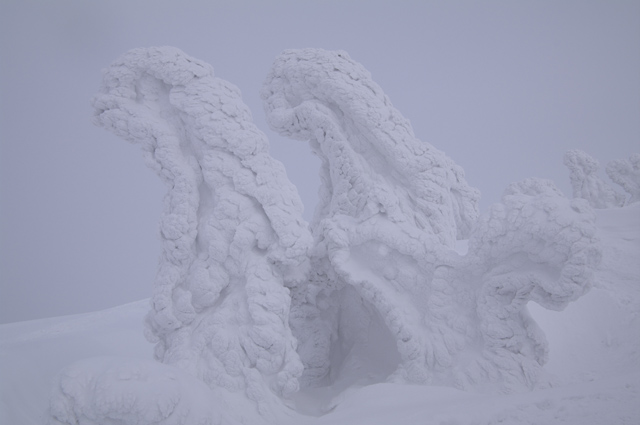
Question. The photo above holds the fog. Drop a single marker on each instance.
(504, 88)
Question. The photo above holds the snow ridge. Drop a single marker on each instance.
(232, 233)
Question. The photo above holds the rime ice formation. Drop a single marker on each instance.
(124, 391)
(232, 233)
(626, 173)
(587, 184)
(385, 196)
(390, 211)
(255, 303)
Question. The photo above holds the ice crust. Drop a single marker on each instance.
(257, 304)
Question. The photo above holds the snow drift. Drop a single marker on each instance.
(255, 303)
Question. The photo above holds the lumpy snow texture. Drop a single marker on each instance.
(232, 233)
(251, 300)
(587, 184)
(388, 203)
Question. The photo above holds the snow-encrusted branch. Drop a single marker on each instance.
(587, 184)
(232, 233)
(626, 173)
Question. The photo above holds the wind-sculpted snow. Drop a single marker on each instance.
(232, 232)
(249, 302)
(587, 184)
(626, 173)
(373, 165)
(535, 246)
(390, 211)
(124, 391)
(387, 200)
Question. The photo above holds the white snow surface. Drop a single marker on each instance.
(258, 317)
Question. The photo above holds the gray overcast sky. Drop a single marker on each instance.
(502, 87)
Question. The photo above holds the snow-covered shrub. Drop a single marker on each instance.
(626, 173)
(232, 230)
(587, 184)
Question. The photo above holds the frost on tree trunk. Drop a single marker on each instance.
(232, 233)
(390, 211)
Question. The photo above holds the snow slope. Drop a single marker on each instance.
(592, 377)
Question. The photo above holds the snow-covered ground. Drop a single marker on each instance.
(592, 376)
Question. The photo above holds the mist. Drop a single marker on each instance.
(503, 88)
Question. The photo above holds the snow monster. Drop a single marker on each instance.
(259, 305)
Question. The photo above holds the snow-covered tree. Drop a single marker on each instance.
(251, 300)
(232, 231)
(626, 173)
(390, 211)
(587, 184)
